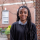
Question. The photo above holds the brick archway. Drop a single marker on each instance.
(38, 18)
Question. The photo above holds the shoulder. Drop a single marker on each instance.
(15, 23)
(34, 26)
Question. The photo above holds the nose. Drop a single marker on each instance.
(22, 13)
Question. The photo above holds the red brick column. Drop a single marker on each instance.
(38, 18)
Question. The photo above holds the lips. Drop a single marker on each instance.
(23, 17)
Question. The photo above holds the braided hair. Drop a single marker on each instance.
(29, 26)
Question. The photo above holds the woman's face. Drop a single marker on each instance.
(23, 13)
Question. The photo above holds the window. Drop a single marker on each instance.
(5, 17)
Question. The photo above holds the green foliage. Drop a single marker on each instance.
(5, 28)
(7, 31)
(0, 29)
(9, 26)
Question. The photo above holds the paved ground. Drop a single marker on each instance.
(3, 37)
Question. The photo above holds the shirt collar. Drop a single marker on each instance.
(22, 23)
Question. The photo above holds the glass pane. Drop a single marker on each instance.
(5, 13)
(5, 18)
(5, 21)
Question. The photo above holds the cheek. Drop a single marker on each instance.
(19, 15)
(26, 15)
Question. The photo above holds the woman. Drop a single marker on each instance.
(23, 28)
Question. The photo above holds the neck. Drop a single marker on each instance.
(23, 21)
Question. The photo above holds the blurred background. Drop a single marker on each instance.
(8, 15)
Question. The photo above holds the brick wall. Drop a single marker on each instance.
(11, 1)
(38, 18)
(13, 9)
(12, 13)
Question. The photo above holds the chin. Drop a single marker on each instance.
(23, 19)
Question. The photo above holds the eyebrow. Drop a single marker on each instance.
(24, 11)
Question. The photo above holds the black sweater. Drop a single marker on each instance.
(17, 32)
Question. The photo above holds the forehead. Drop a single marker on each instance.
(23, 9)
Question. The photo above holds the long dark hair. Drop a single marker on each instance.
(29, 27)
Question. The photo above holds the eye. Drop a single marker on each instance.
(25, 12)
(20, 12)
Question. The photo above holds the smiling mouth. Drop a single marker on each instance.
(23, 17)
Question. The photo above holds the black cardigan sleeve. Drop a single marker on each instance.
(35, 30)
(12, 32)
